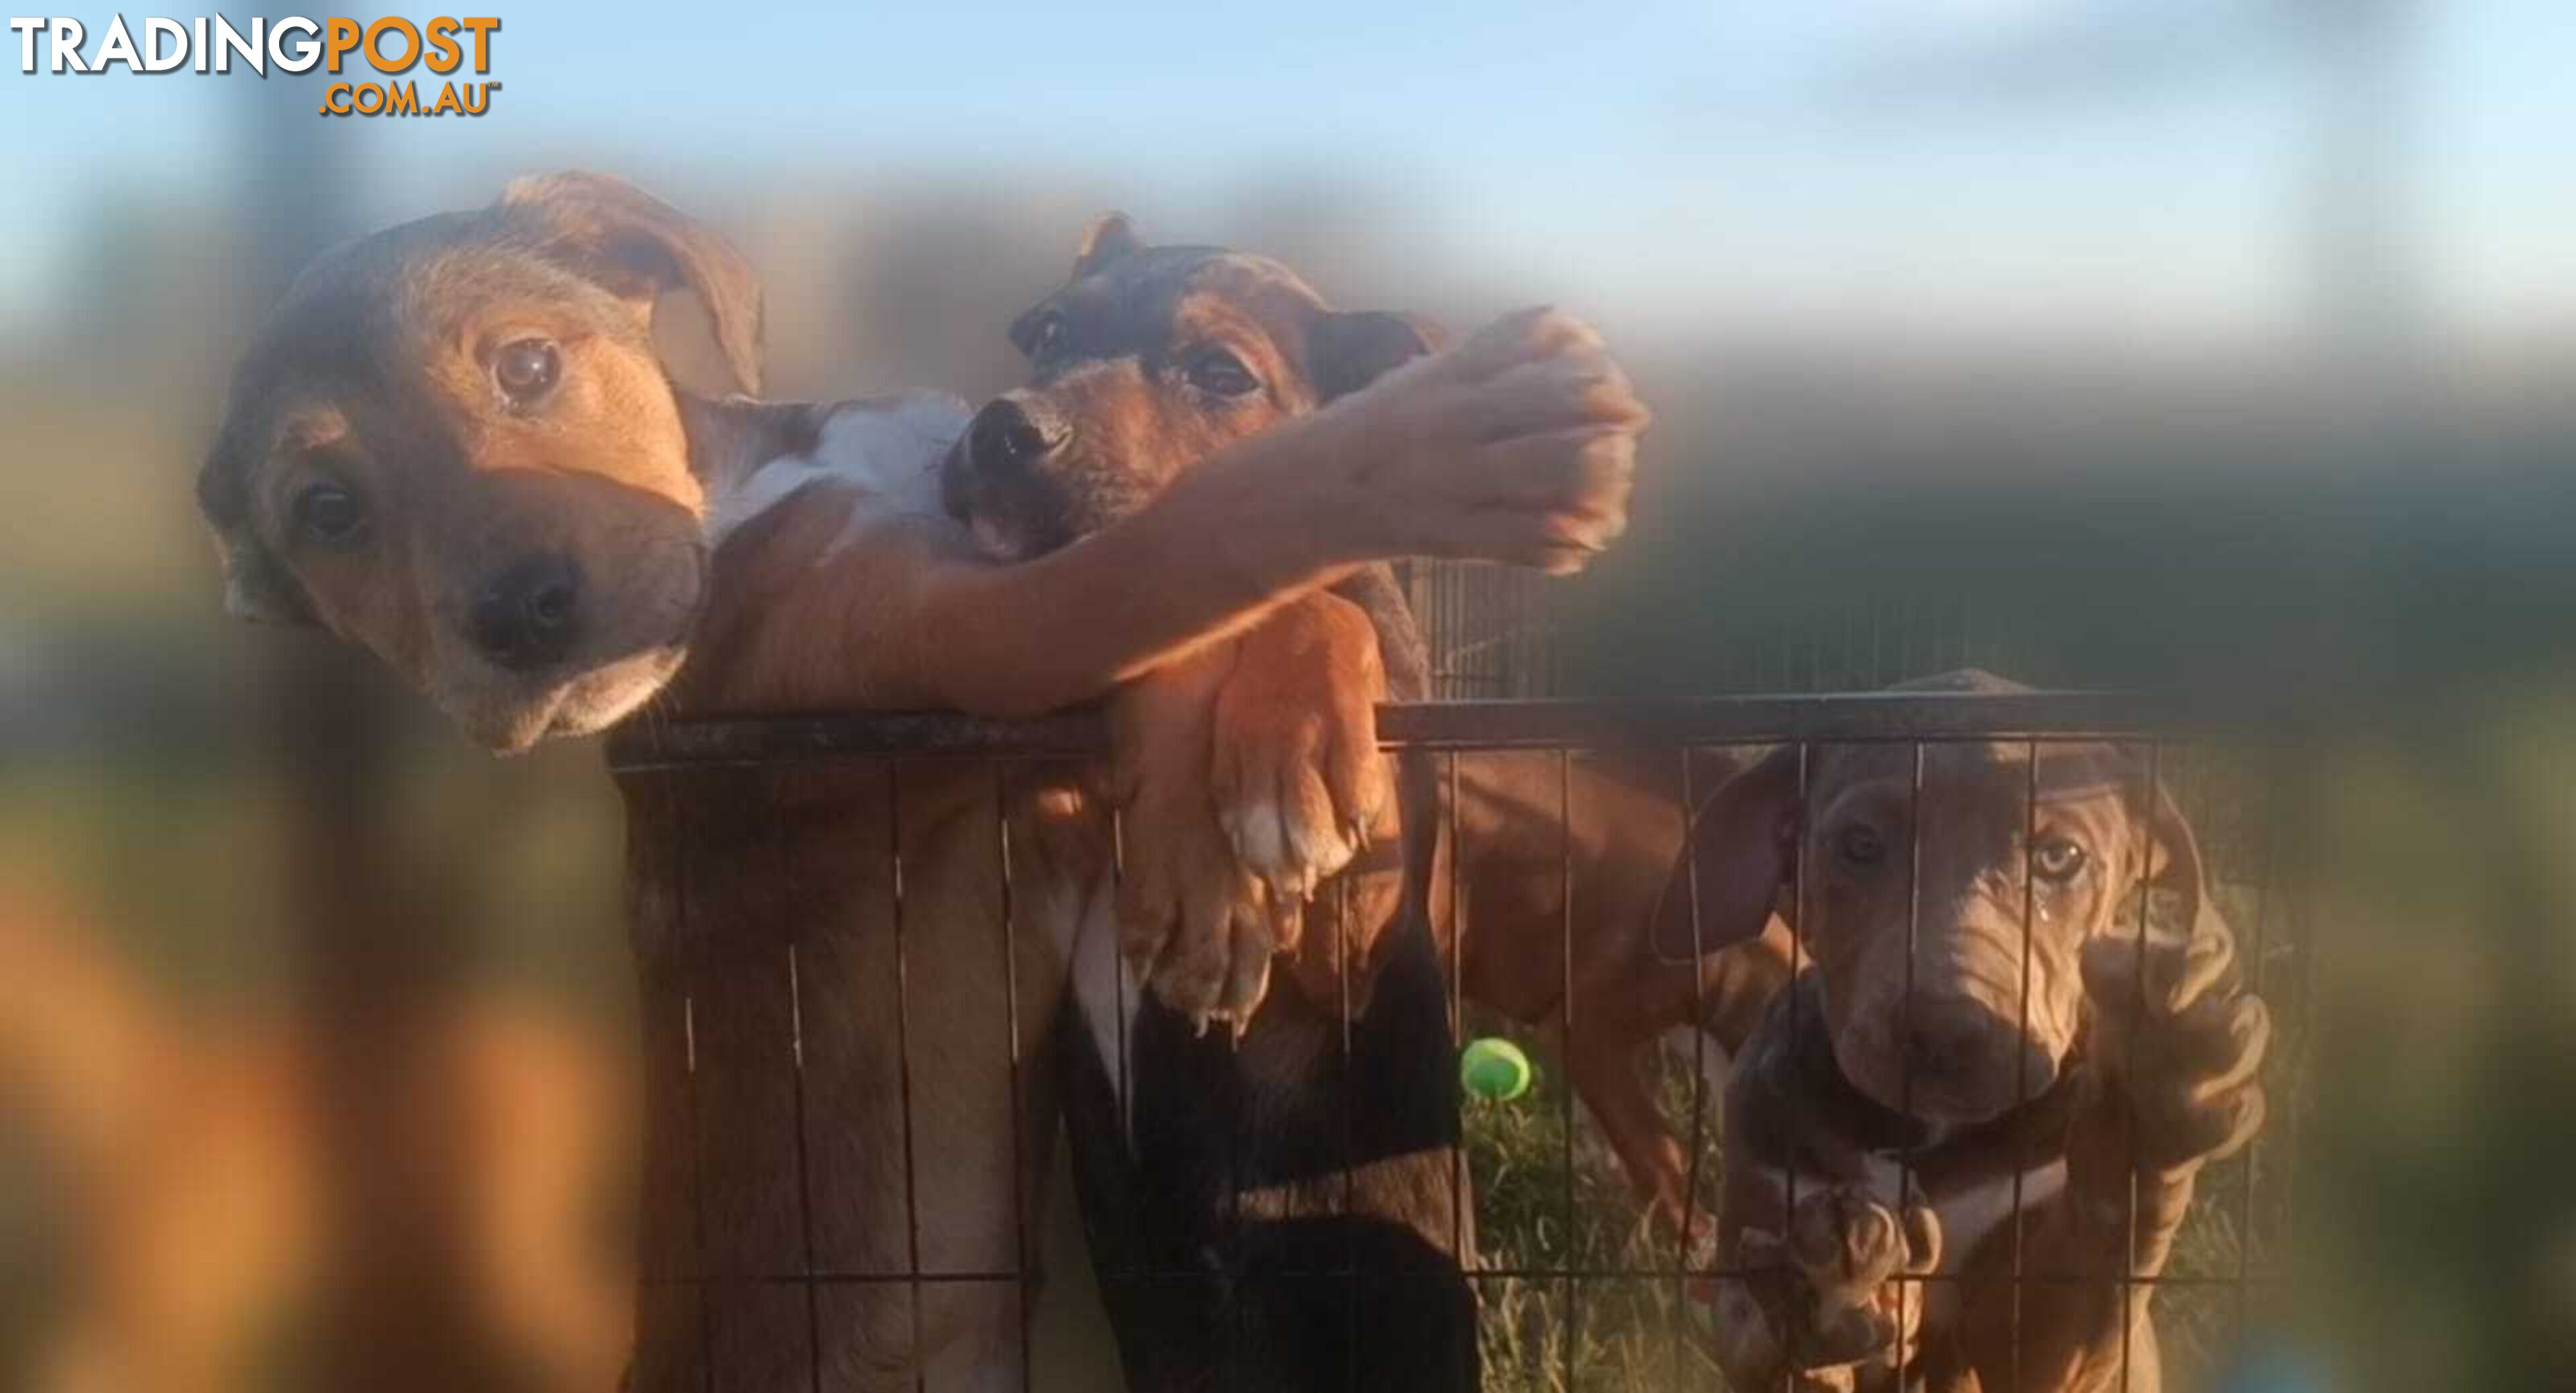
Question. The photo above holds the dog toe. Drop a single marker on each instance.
(1248, 974)
(2196, 1131)
(1519, 337)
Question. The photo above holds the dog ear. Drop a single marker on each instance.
(1346, 351)
(1740, 847)
(256, 587)
(1110, 236)
(637, 247)
(2174, 865)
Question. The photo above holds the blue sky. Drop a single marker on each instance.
(1641, 156)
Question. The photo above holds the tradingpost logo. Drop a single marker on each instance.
(385, 55)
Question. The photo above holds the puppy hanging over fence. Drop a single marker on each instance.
(1146, 363)
(452, 443)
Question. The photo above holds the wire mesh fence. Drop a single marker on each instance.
(1490, 630)
(875, 979)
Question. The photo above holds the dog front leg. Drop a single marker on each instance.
(2075, 1327)
(1517, 446)
(1195, 925)
(1303, 789)
(2173, 1085)
(1750, 1320)
(1601, 1063)
(1298, 779)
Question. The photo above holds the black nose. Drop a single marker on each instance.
(527, 617)
(1005, 437)
(1950, 1045)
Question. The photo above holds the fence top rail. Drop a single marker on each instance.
(1459, 725)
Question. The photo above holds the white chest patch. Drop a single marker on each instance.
(1102, 991)
(1971, 1216)
(887, 451)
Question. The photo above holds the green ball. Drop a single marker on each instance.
(1494, 1069)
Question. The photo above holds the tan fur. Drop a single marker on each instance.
(1621, 838)
(1510, 448)
(2138, 1067)
(1293, 729)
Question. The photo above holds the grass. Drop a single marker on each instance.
(1538, 1215)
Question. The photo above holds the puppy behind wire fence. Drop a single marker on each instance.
(1576, 1282)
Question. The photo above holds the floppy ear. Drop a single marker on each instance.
(1346, 351)
(1741, 846)
(2175, 866)
(637, 247)
(256, 588)
(1110, 236)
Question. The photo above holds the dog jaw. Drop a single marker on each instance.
(590, 702)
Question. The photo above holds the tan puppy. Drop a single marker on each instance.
(452, 443)
(1936, 1054)
(190, 1155)
(1147, 362)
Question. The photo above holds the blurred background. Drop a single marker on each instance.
(2225, 344)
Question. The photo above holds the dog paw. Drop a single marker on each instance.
(1852, 1254)
(1195, 926)
(1517, 446)
(1300, 784)
(1841, 1239)
(2181, 1042)
(1753, 1332)
(1300, 792)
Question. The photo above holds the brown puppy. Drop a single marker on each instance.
(452, 443)
(1147, 362)
(1317, 1137)
(1899, 1067)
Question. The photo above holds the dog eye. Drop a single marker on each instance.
(2057, 859)
(1862, 846)
(1220, 373)
(527, 369)
(329, 512)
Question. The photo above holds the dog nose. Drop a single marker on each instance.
(1005, 436)
(1952, 1047)
(525, 619)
